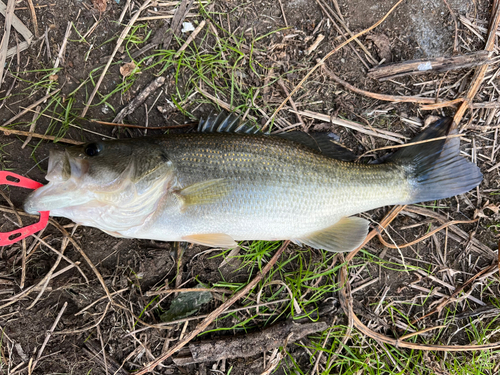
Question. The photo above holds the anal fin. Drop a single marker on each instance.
(345, 235)
(211, 239)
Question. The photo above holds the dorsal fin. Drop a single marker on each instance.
(320, 142)
(231, 123)
(224, 123)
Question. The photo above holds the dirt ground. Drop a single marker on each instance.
(264, 57)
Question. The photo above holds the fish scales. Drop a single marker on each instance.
(278, 189)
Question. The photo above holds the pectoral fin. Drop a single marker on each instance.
(345, 235)
(204, 192)
(211, 239)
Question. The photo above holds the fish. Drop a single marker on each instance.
(230, 182)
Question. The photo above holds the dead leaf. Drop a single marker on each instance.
(100, 5)
(53, 77)
(127, 69)
(383, 45)
(479, 212)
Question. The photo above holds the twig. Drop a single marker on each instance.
(218, 101)
(47, 337)
(389, 98)
(27, 109)
(212, 316)
(424, 66)
(48, 276)
(32, 126)
(398, 343)
(179, 250)
(292, 102)
(33, 18)
(479, 246)
(340, 20)
(176, 24)
(322, 61)
(230, 311)
(481, 71)
(165, 17)
(420, 332)
(14, 80)
(313, 46)
(62, 50)
(427, 235)
(103, 350)
(75, 331)
(350, 323)
(283, 13)
(455, 43)
(391, 215)
(191, 38)
(353, 125)
(449, 103)
(60, 253)
(73, 125)
(412, 143)
(8, 131)
(106, 361)
(139, 99)
(318, 359)
(124, 11)
(325, 8)
(121, 38)
(4, 44)
(140, 126)
(21, 28)
(214, 30)
(99, 300)
(457, 291)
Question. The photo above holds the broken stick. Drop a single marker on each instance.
(139, 99)
(422, 66)
(249, 344)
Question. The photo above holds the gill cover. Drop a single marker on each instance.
(113, 185)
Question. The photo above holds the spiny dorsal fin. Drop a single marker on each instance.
(224, 123)
(231, 123)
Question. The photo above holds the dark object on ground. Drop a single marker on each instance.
(247, 345)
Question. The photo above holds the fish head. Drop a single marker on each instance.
(88, 182)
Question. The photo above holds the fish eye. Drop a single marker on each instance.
(92, 149)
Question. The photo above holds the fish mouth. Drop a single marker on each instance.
(65, 175)
(62, 167)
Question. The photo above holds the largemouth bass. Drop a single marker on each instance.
(229, 183)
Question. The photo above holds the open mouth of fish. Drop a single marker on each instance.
(65, 176)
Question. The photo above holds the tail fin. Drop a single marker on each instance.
(435, 169)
